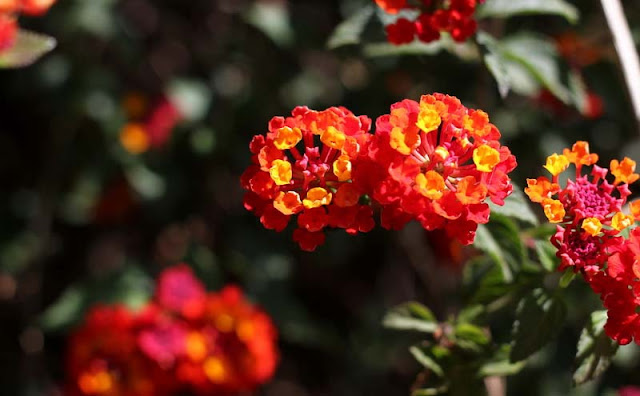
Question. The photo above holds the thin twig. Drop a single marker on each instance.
(626, 50)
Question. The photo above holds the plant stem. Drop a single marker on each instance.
(626, 50)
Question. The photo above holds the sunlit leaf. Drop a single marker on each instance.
(411, 316)
(501, 241)
(130, 286)
(509, 8)
(516, 206)
(28, 48)
(547, 255)
(350, 30)
(595, 349)
(539, 56)
(524, 63)
(499, 364)
(424, 358)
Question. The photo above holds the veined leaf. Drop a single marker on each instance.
(538, 319)
(523, 63)
(595, 349)
(509, 8)
(501, 241)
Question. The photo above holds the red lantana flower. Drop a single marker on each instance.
(619, 289)
(454, 17)
(440, 163)
(224, 347)
(103, 358)
(302, 168)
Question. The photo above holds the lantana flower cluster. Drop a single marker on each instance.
(455, 17)
(184, 341)
(590, 217)
(434, 161)
(9, 12)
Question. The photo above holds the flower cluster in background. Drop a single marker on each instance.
(9, 12)
(433, 17)
(184, 340)
(149, 125)
(589, 238)
(435, 161)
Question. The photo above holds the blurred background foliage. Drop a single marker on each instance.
(91, 212)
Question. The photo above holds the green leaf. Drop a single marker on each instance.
(501, 241)
(523, 63)
(538, 54)
(471, 313)
(501, 368)
(494, 62)
(465, 51)
(191, 97)
(414, 48)
(595, 350)
(471, 337)
(28, 48)
(499, 364)
(130, 286)
(411, 316)
(539, 318)
(349, 31)
(424, 358)
(567, 278)
(516, 206)
(547, 255)
(509, 8)
(488, 283)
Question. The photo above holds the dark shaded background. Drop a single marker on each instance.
(82, 220)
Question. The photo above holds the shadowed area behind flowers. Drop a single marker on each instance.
(121, 154)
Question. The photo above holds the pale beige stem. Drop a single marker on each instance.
(626, 49)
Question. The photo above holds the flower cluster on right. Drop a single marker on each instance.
(434, 16)
(9, 11)
(590, 218)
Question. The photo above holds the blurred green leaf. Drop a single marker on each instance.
(470, 337)
(191, 97)
(272, 18)
(147, 183)
(465, 51)
(516, 206)
(130, 286)
(424, 358)
(499, 364)
(547, 255)
(509, 8)
(595, 349)
(566, 278)
(349, 31)
(501, 241)
(539, 318)
(28, 48)
(411, 316)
